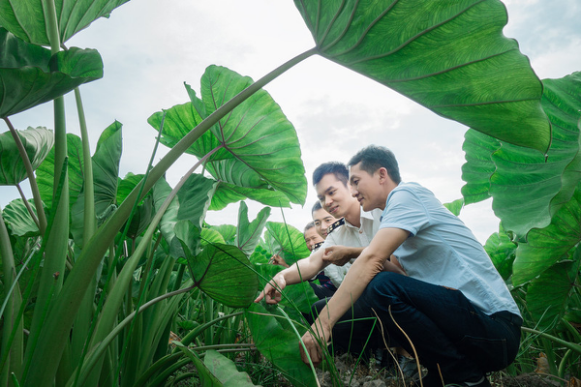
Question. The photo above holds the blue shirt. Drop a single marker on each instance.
(441, 250)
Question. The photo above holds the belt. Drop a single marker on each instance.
(508, 317)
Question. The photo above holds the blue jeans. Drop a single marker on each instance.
(447, 331)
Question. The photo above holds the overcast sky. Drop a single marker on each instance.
(150, 47)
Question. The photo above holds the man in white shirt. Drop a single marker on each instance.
(453, 306)
(343, 244)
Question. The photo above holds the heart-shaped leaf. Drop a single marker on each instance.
(224, 273)
(450, 56)
(30, 75)
(255, 146)
(37, 143)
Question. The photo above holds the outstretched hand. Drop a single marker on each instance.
(271, 292)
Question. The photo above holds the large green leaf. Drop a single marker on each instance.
(225, 370)
(286, 241)
(45, 172)
(37, 143)
(527, 187)
(501, 250)
(106, 166)
(224, 273)
(30, 75)
(230, 193)
(547, 295)
(299, 296)
(228, 233)
(479, 166)
(19, 220)
(549, 245)
(277, 341)
(450, 56)
(255, 146)
(27, 18)
(249, 233)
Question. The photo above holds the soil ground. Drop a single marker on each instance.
(371, 376)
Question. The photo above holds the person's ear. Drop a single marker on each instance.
(383, 174)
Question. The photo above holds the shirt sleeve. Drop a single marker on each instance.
(405, 210)
(337, 273)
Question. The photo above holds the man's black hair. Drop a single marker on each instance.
(374, 157)
(309, 226)
(316, 207)
(336, 168)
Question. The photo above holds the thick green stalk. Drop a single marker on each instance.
(61, 316)
(52, 273)
(15, 346)
(88, 189)
(31, 178)
(83, 319)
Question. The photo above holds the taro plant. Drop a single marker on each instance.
(93, 267)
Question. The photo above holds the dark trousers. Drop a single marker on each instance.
(447, 331)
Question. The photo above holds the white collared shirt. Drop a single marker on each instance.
(351, 236)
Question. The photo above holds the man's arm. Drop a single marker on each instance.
(372, 260)
(340, 255)
(302, 270)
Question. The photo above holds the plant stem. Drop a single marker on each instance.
(28, 207)
(31, 178)
(565, 343)
(88, 189)
(61, 316)
(13, 301)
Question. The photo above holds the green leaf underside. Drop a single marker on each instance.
(37, 143)
(451, 57)
(547, 295)
(30, 75)
(225, 370)
(259, 146)
(26, 19)
(291, 249)
(549, 245)
(502, 253)
(276, 340)
(45, 172)
(224, 273)
(19, 220)
(455, 207)
(106, 166)
(527, 189)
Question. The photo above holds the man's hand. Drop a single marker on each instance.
(338, 255)
(271, 292)
(278, 260)
(318, 333)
